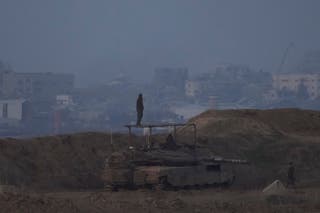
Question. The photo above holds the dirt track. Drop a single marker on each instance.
(206, 200)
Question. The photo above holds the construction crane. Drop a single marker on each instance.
(285, 56)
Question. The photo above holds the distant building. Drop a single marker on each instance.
(12, 109)
(34, 85)
(7, 83)
(12, 115)
(64, 100)
(171, 80)
(292, 82)
(227, 85)
(193, 88)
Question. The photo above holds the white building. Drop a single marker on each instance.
(11, 109)
(64, 100)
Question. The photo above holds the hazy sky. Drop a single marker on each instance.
(97, 38)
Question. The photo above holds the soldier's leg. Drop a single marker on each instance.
(139, 117)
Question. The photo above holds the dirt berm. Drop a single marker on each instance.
(269, 139)
(64, 161)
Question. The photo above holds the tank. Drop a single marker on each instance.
(167, 166)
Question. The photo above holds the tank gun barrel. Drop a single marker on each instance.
(222, 160)
(236, 161)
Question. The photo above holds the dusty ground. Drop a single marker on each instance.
(33, 203)
(207, 200)
(269, 139)
(204, 200)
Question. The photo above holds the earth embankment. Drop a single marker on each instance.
(269, 139)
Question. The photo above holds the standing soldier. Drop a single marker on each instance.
(140, 109)
(291, 178)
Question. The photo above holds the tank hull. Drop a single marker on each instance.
(198, 175)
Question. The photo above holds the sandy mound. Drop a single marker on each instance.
(259, 122)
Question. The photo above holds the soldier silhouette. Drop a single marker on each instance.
(291, 179)
(170, 143)
(140, 108)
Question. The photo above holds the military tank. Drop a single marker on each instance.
(167, 166)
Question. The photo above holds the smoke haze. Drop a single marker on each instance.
(97, 39)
